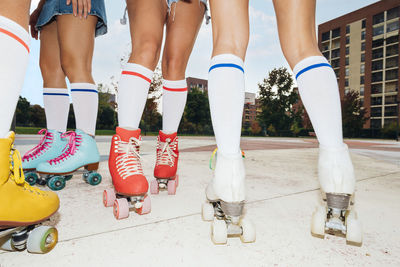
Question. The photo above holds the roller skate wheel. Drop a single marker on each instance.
(31, 178)
(146, 206)
(42, 239)
(207, 211)
(248, 231)
(6, 244)
(154, 189)
(108, 197)
(219, 232)
(94, 178)
(353, 229)
(171, 187)
(138, 205)
(161, 185)
(56, 183)
(318, 222)
(121, 208)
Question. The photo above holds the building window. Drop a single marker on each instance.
(376, 112)
(376, 123)
(393, 13)
(363, 35)
(362, 80)
(363, 22)
(377, 53)
(363, 46)
(335, 63)
(362, 102)
(325, 47)
(392, 40)
(376, 100)
(346, 82)
(347, 29)
(390, 50)
(377, 31)
(337, 72)
(362, 90)
(347, 61)
(391, 87)
(389, 121)
(376, 88)
(347, 50)
(335, 44)
(346, 91)
(392, 74)
(378, 18)
(347, 39)
(347, 71)
(377, 65)
(390, 99)
(393, 26)
(392, 62)
(326, 55)
(362, 69)
(377, 76)
(362, 57)
(336, 53)
(335, 33)
(325, 36)
(377, 43)
(390, 111)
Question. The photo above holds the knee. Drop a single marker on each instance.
(146, 53)
(297, 51)
(173, 67)
(236, 45)
(75, 68)
(52, 74)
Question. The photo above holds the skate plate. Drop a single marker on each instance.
(168, 184)
(123, 204)
(33, 238)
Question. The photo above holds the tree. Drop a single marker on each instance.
(22, 111)
(277, 99)
(37, 116)
(151, 118)
(255, 128)
(354, 116)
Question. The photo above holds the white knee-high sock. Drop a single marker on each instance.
(174, 101)
(226, 96)
(320, 95)
(86, 104)
(132, 94)
(56, 106)
(14, 55)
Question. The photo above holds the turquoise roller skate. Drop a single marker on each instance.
(81, 151)
(50, 146)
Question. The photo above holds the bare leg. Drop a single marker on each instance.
(17, 11)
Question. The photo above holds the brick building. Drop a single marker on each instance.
(251, 109)
(201, 84)
(363, 49)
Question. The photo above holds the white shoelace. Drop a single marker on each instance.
(128, 162)
(166, 154)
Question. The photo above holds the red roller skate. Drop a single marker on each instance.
(130, 184)
(166, 164)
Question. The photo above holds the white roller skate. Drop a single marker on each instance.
(336, 176)
(225, 202)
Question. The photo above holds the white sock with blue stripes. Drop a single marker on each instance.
(56, 106)
(320, 95)
(226, 95)
(86, 103)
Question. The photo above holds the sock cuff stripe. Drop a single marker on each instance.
(58, 94)
(226, 65)
(175, 89)
(132, 73)
(85, 90)
(12, 35)
(312, 67)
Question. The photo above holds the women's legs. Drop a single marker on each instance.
(315, 77)
(55, 92)
(76, 40)
(14, 54)
(146, 20)
(182, 29)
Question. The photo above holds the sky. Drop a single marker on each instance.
(263, 54)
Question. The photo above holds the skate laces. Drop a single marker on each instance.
(128, 162)
(17, 173)
(166, 155)
(45, 140)
(70, 149)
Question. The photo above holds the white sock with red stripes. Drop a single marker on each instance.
(85, 101)
(14, 55)
(132, 94)
(226, 95)
(56, 106)
(174, 101)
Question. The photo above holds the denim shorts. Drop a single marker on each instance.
(53, 8)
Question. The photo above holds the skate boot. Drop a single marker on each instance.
(130, 184)
(23, 207)
(336, 176)
(81, 151)
(166, 164)
(225, 201)
(50, 146)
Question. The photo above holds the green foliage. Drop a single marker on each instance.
(22, 111)
(277, 98)
(255, 128)
(354, 116)
(389, 130)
